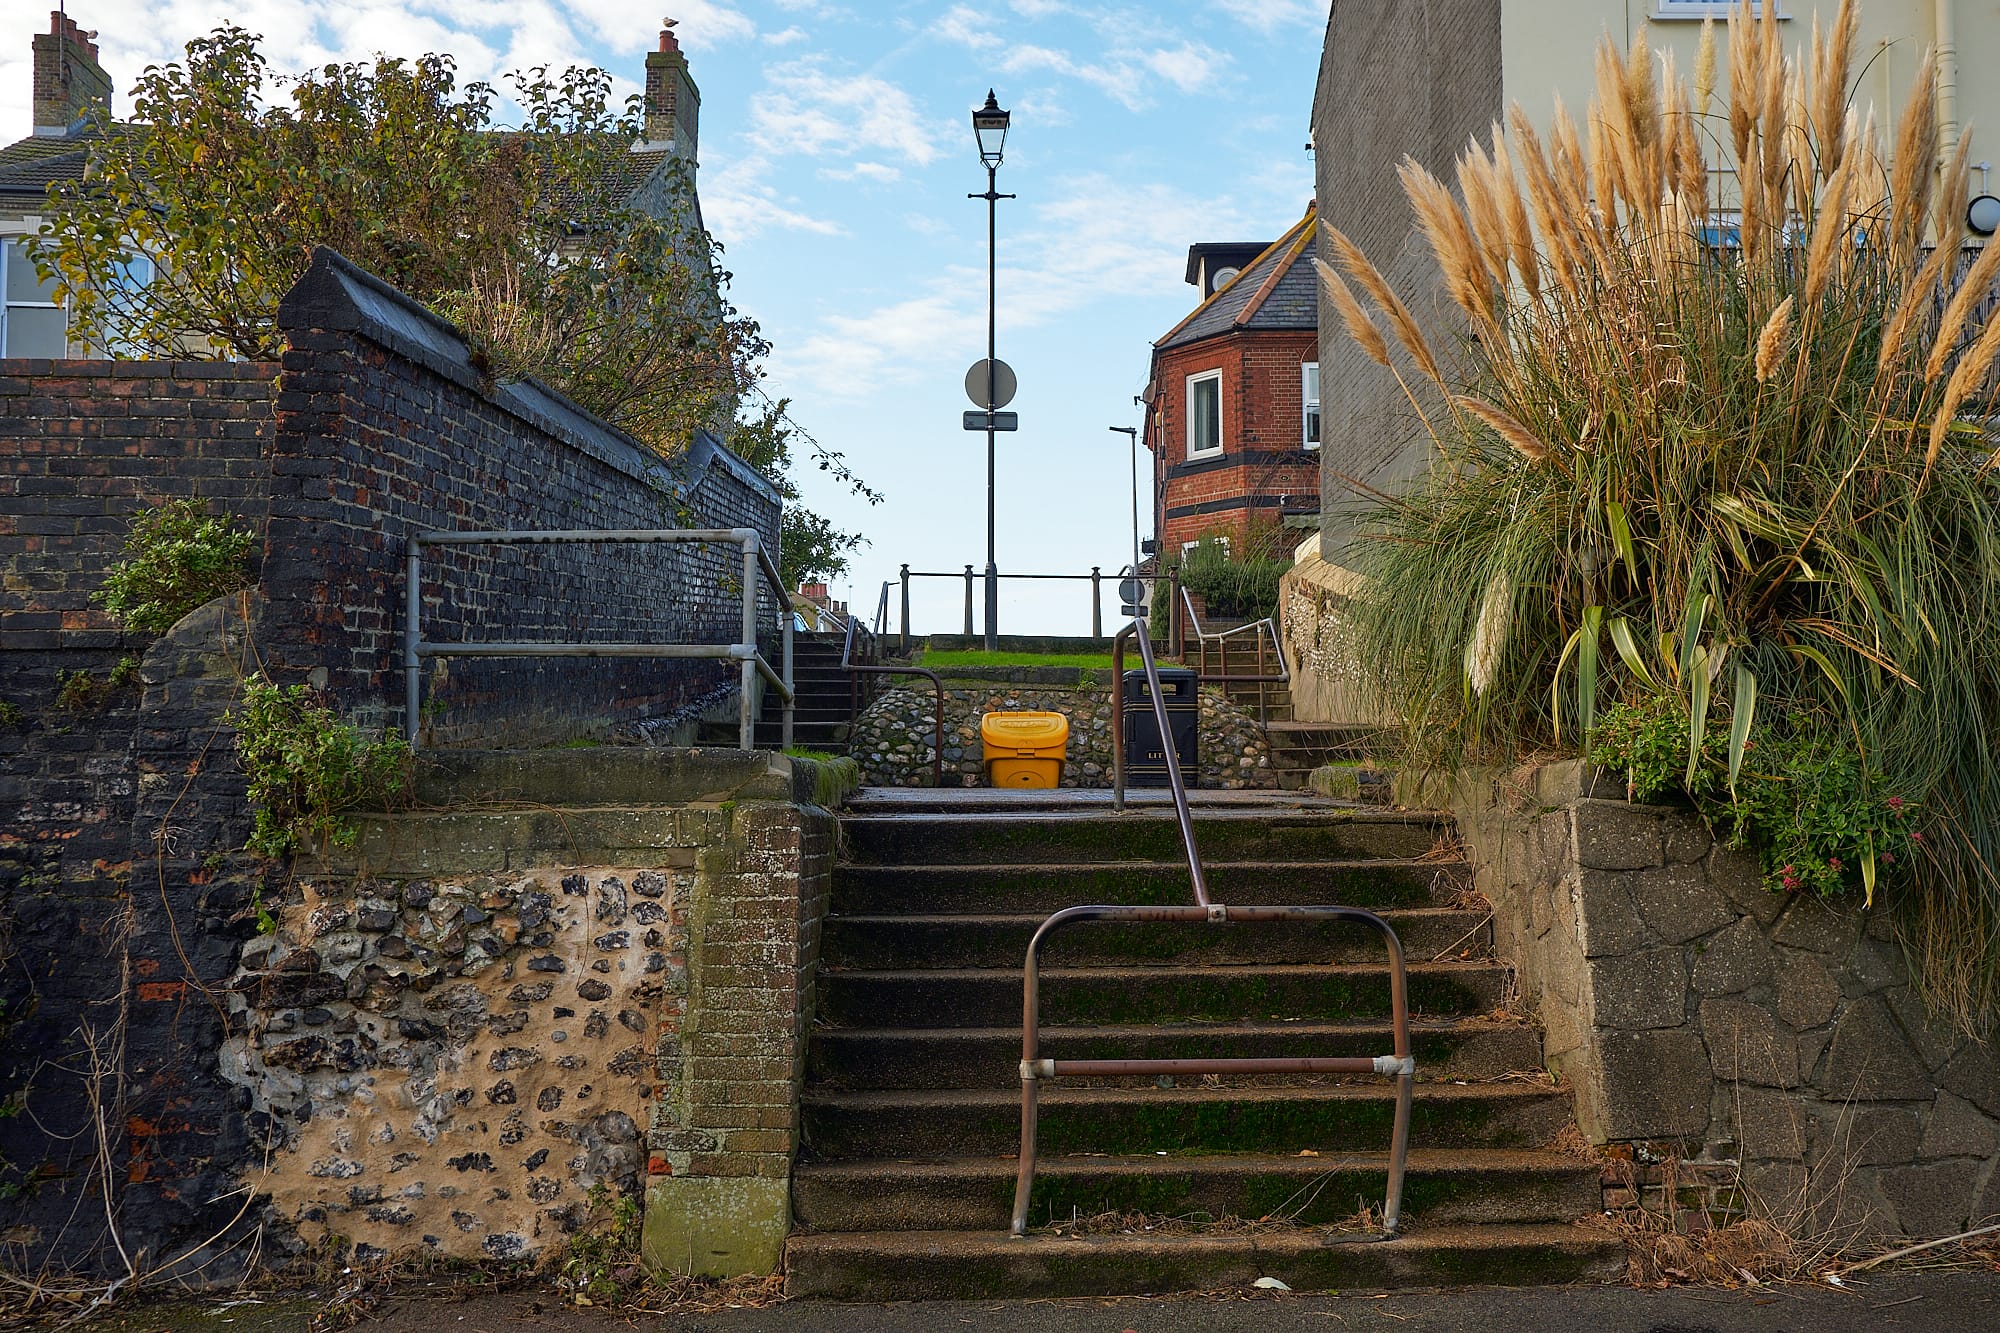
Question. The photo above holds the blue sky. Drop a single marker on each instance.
(836, 153)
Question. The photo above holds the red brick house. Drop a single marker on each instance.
(1232, 404)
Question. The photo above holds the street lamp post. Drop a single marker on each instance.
(1132, 433)
(989, 126)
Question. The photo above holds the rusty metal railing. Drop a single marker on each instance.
(1035, 1070)
(854, 668)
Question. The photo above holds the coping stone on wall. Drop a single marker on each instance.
(337, 294)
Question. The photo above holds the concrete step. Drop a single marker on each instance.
(415, 843)
(937, 1265)
(1443, 1187)
(856, 1059)
(1001, 940)
(1374, 884)
(987, 997)
(1330, 1118)
(609, 775)
(1148, 835)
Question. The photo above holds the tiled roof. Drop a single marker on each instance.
(1277, 290)
(30, 166)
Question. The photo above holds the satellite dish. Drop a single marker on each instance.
(1004, 383)
(1223, 276)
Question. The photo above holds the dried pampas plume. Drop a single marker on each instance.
(1505, 426)
(1772, 340)
(1489, 633)
(1359, 326)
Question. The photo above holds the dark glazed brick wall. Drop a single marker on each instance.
(384, 431)
(1397, 77)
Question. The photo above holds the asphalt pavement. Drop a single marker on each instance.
(1933, 1302)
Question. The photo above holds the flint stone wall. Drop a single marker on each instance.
(1697, 1013)
(896, 735)
(474, 1063)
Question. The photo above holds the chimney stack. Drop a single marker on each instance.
(68, 79)
(673, 103)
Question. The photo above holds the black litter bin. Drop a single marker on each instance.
(1145, 756)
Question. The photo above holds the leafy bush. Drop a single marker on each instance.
(1703, 443)
(176, 557)
(307, 768)
(1243, 587)
(1818, 822)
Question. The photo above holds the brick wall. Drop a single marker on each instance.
(1264, 469)
(1397, 77)
(384, 430)
(124, 901)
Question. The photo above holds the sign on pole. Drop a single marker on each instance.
(1004, 384)
(1000, 421)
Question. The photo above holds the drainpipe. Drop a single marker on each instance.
(1947, 80)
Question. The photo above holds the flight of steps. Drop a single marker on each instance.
(911, 1112)
(1297, 748)
(819, 719)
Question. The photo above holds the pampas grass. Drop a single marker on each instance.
(1727, 389)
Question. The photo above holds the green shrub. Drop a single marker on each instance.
(1818, 822)
(176, 557)
(1231, 586)
(307, 768)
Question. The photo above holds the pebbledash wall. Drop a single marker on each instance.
(124, 902)
(1762, 1037)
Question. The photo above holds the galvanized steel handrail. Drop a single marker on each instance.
(853, 668)
(1259, 629)
(756, 564)
(1400, 1064)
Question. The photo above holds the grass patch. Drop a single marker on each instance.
(978, 657)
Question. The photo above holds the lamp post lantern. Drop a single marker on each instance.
(989, 126)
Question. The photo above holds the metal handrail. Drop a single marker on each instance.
(1034, 1069)
(756, 563)
(853, 668)
(1259, 629)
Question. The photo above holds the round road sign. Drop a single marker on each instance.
(1004, 383)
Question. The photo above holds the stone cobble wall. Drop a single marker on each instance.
(457, 1063)
(1700, 1015)
(477, 1064)
(895, 737)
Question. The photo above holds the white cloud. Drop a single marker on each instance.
(1270, 15)
(1131, 65)
(809, 107)
(738, 201)
(787, 37)
(1097, 240)
(879, 172)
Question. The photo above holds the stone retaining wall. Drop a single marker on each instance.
(895, 737)
(1697, 1013)
(474, 1062)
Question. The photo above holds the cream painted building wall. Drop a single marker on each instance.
(1547, 48)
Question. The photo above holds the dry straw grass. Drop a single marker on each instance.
(1722, 379)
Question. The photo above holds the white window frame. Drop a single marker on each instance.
(7, 241)
(1309, 418)
(1198, 378)
(1709, 9)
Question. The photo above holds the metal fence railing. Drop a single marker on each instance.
(758, 571)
